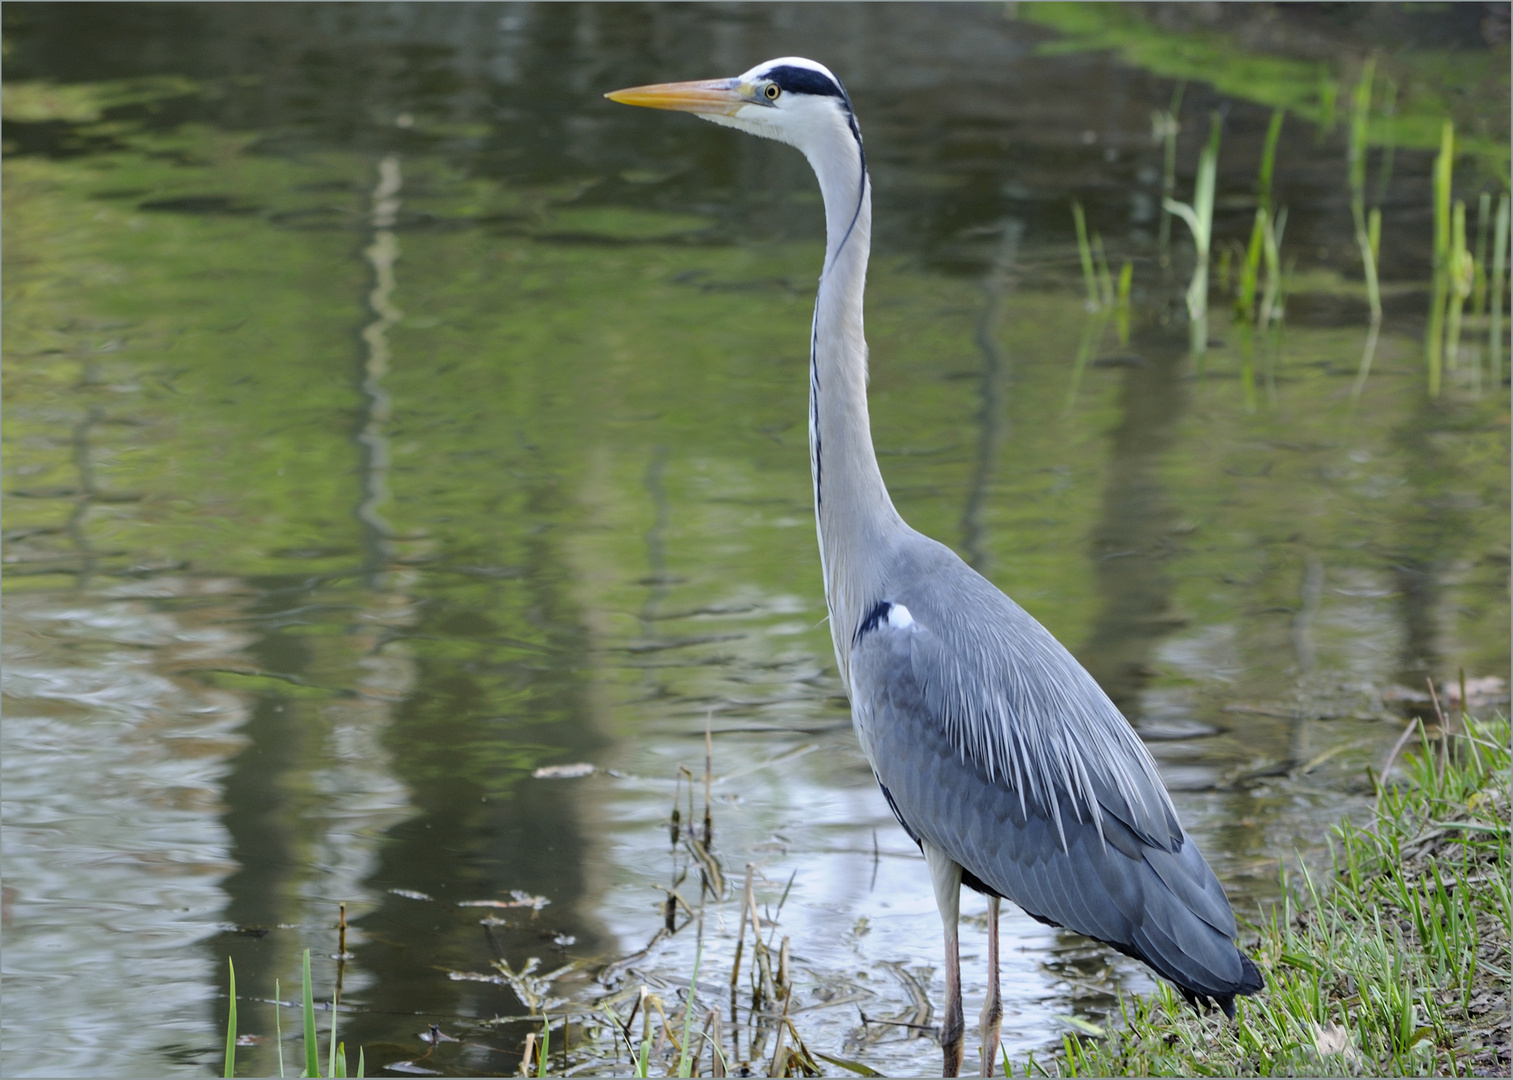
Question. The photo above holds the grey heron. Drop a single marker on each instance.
(995, 749)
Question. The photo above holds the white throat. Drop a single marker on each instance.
(858, 526)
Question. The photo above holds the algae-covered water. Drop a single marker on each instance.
(388, 418)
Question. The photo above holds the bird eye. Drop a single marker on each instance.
(772, 91)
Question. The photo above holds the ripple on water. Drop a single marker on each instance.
(113, 848)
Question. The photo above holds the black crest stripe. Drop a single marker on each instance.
(802, 80)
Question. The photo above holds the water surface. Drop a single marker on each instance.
(389, 417)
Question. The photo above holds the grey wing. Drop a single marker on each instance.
(994, 745)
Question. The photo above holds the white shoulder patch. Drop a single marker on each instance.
(899, 617)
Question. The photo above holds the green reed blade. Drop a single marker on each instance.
(1444, 167)
(1360, 119)
(231, 1024)
(312, 1060)
(685, 1064)
(1499, 269)
(1126, 280)
(1483, 227)
(1269, 157)
(1085, 253)
(1459, 284)
(1389, 131)
(331, 1058)
(1105, 279)
(1329, 97)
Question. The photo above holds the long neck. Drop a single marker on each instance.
(858, 526)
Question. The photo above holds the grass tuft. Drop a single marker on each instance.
(337, 1059)
(1394, 963)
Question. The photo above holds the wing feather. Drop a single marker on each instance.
(995, 746)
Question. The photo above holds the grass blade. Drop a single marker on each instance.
(685, 1063)
(642, 1063)
(331, 1059)
(231, 1024)
(1444, 166)
(1085, 253)
(1499, 268)
(278, 1027)
(1269, 157)
(1126, 279)
(312, 1059)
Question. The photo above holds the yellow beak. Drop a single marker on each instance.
(720, 97)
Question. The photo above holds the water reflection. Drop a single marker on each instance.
(992, 414)
(1139, 530)
(386, 419)
(113, 773)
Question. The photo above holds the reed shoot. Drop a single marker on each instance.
(1199, 216)
(1444, 166)
(1126, 279)
(1359, 127)
(1271, 249)
(1105, 279)
(336, 1064)
(1389, 147)
(1368, 226)
(1245, 298)
(231, 1025)
(1085, 254)
(1164, 127)
(1460, 275)
(1329, 98)
(312, 1058)
(1499, 280)
(278, 1028)
(1269, 157)
(1483, 220)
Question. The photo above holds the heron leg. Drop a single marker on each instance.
(945, 872)
(992, 1009)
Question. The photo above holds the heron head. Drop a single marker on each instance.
(790, 99)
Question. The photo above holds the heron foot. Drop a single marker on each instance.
(952, 1040)
(991, 1021)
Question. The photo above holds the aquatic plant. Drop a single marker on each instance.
(1461, 274)
(1499, 281)
(1368, 227)
(1164, 129)
(1245, 294)
(1199, 215)
(1265, 238)
(1122, 302)
(1360, 117)
(1434, 334)
(336, 1065)
(1095, 271)
(231, 1023)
